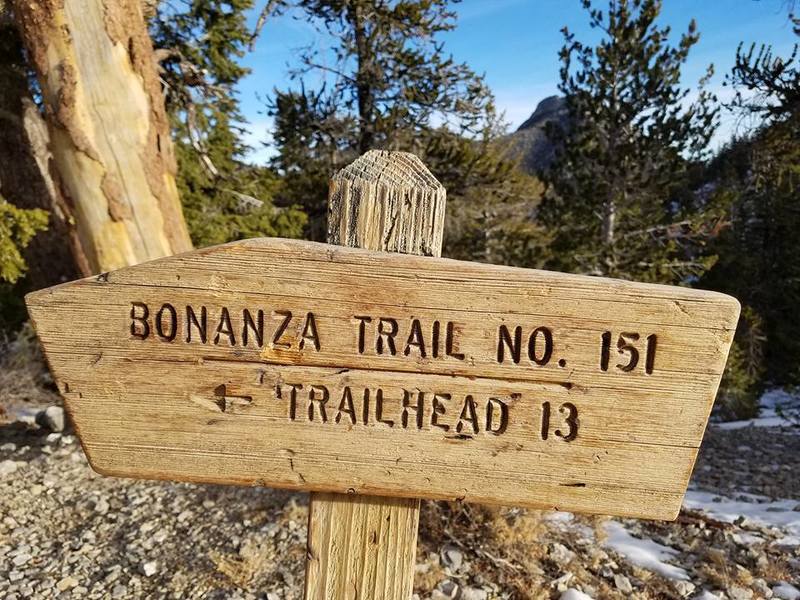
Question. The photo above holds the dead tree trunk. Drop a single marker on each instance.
(109, 132)
(55, 255)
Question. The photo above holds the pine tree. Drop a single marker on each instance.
(389, 84)
(17, 228)
(390, 71)
(759, 176)
(200, 44)
(491, 201)
(617, 203)
(313, 142)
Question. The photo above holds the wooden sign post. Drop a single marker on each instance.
(354, 372)
(364, 546)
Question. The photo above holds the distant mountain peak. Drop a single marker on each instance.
(529, 143)
(550, 109)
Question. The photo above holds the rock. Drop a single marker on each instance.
(470, 593)
(562, 583)
(573, 594)
(684, 588)
(47, 583)
(148, 526)
(446, 590)
(7, 467)
(119, 591)
(66, 583)
(112, 575)
(623, 583)
(745, 523)
(8, 447)
(786, 591)
(21, 559)
(739, 593)
(560, 554)
(761, 588)
(101, 506)
(51, 418)
(184, 516)
(452, 557)
(149, 568)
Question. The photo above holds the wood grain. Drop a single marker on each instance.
(152, 408)
(387, 201)
(363, 547)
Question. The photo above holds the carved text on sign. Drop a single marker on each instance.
(281, 329)
(199, 325)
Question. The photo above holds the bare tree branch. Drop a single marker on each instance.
(268, 9)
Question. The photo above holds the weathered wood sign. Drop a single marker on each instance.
(307, 366)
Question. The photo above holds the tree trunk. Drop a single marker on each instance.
(55, 255)
(109, 132)
(364, 81)
(609, 221)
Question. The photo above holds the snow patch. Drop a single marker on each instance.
(561, 516)
(643, 553)
(763, 511)
(768, 414)
(565, 521)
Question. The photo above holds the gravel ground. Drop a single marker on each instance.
(759, 460)
(69, 533)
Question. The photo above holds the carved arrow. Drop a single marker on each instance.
(228, 402)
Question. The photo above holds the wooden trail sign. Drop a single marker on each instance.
(307, 366)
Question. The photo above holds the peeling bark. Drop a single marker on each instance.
(110, 134)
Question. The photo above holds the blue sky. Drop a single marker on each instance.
(515, 44)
